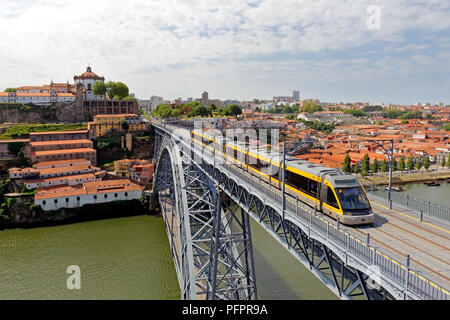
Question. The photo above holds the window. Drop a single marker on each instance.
(331, 198)
(353, 198)
(78, 198)
(95, 197)
(106, 196)
(126, 194)
(67, 199)
(115, 195)
(56, 200)
(44, 202)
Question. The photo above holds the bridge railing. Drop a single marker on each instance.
(426, 207)
(410, 280)
(379, 262)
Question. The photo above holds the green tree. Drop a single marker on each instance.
(418, 163)
(162, 111)
(448, 161)
(311, 107)
(395, 165)
(365, 167)
(410, 164)
(176, 113)
(401, 164)
(356, 169)
(234, 110)
(384, 166)
(15, 147)
(346, 167)
(121, 90)
(375, 165)
(99, 88)
(10, 90)
(446, 126)
(443, 161)
(111, 89)
(426, 163)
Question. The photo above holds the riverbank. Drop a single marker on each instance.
(406, 177)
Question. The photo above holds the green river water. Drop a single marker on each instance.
(128, 258)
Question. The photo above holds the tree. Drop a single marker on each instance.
(162, 111)
(448, 161)
(311, 107)
(111, 89)
(443, 161)
(365, 167)
(384, 166)
(99, 88)
(418, 164)
(356, 169)
(234, 110)
(125, 126)
(426, 163)
(117, 90)
(410, 164)
(176, 113)
(346, 167)
(375, 165)
(121, 90)
(401, 164)
(395, 165)
(10, 90)
(15, 147)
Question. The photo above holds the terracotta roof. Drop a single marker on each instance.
(59, 162)
(88, 75)
(68, 151)
(66, 169)
(59, 142)
(72, 177)
(58, 132)
(92, 187)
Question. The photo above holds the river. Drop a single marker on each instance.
(128, 258)
(439, 194)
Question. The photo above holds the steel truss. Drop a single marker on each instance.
(210, 239)
(346, 281)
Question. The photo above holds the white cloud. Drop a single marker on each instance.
(169, 46)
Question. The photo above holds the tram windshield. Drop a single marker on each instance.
(353, 198)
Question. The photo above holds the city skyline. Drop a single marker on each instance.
(235, 50)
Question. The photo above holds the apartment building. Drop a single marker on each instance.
(104, 124)
(92, 192)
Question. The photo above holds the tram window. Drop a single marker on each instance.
(331, 198)
(297, 181)
(312, 188)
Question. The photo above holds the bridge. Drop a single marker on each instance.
(207, 204)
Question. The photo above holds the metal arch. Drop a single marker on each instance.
(211, 247)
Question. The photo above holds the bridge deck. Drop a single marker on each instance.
(398, 233)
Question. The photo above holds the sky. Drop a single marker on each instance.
(378, 51)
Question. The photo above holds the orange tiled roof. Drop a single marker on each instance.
(54, 152)
(92, 187)
(58, 132)
(59, 142)
(59, 162)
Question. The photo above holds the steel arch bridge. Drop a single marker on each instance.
(209, 237)
(206, 208)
